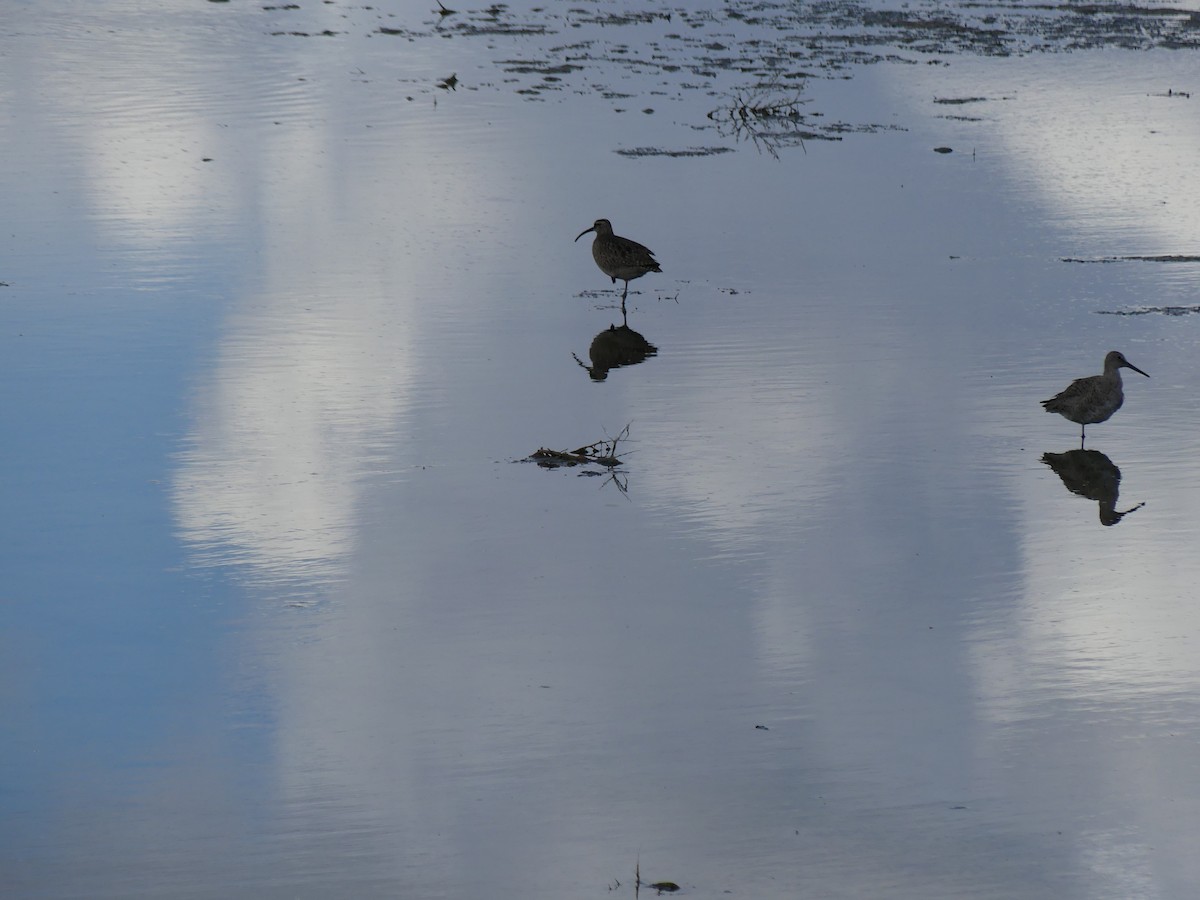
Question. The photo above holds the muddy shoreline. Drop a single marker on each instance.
(744, 54)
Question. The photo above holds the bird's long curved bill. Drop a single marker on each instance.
(593, 228)
(1128, 364)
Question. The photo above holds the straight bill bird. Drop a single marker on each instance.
(1088, 401)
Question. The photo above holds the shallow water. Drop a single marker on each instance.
(287, 613)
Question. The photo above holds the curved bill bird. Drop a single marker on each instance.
(1094, 399)
(619, 257)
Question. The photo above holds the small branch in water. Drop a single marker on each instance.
(661, 887)
(602, 453)
(767, 119)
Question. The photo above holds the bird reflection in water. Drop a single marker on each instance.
(616, 346)
(1091, 474)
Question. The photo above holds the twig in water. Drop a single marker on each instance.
(767, 119)
(602, 453)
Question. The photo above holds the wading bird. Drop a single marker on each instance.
(1094, 399)
(619, 257)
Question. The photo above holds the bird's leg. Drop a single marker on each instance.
(1082, 436)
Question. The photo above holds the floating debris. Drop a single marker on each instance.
(663, 887)
(1151, 310)
(602, 453)
(636, 152)
(1163, 258)
(767, 119)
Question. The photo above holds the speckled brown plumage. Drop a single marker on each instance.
(619, 257)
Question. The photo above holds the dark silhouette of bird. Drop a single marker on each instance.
(619, 257)
(1088, 401)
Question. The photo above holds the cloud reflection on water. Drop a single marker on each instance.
(831, 528)
(1114, 175)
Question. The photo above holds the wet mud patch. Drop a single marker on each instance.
(1151, 311)
(618, 51)
(636, 152)
(1162, 258)
(325, 33)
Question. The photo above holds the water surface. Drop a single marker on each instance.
(286, 613)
